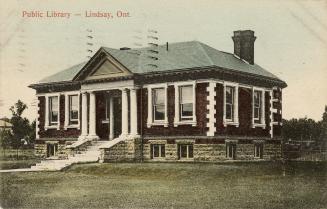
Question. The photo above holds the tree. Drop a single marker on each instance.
(20, 126)
(5, 139)
(323, 136)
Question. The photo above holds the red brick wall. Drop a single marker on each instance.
(54, 133)
(245, 115)
(201, 103)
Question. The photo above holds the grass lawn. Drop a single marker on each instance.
(10, 160)
(170, 185)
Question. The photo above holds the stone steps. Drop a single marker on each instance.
(91, 154)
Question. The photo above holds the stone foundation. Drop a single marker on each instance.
(40, 148)
(124, 151)
(130, 151)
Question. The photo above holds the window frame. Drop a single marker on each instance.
(70, 109)
(187, 151)
(150, 120)
(155, 105)
(231, 148)
(261, 121)
(185, 118)
(235, 107)
(161, 151)
(177, 118)
(68, 120)
(50, 111)
(230, 104)
(258, 151)
(255, 106)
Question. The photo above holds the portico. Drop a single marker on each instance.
(125, 91)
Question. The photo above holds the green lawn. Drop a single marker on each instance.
(170, 185)
(9, 159)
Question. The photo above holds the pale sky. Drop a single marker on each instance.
(291, 40)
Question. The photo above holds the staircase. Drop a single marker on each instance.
(89, 155)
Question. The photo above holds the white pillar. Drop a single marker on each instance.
(46, 112)
(177, 116)
(92, 114)
(84, 116)
(236, 119)
(111, 118)
(66, 112)
(263, 101)
(124, 113)
(133, 112)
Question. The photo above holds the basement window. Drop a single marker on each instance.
(185, 151)
(158, 151)
(231, 151)
(258, 151)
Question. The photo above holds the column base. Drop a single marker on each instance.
(93, 137)
(82, 137)
(133, 136)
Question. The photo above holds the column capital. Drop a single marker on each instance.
(123, 89)
(133, 88)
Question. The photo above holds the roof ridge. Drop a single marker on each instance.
(205, 52)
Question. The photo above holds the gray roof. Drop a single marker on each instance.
(64, 75)
(181, 55)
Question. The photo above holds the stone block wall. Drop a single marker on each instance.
(124, 151)
(212, 152)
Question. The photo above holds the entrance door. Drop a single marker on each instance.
(117, 116)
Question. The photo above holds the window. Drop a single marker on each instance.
(258, 151)
(53, 110)
(186, 102)
(158, 151)
(258, 107)
(257, 104)
(231, 151)
(73, 109)
(229, 103)
(157, 105)
(52, 150)
(185, 151)
(158, 96)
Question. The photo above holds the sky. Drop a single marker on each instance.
(291, 40)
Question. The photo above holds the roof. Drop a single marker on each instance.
(179, 56)
(5, 124)
(65, 75)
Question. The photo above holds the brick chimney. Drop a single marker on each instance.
(244, 45)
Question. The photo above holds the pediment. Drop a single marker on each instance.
(107, 68)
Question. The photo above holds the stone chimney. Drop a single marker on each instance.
(244, 45)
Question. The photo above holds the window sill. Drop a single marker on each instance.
(157, 123)
(72, 126)
(186, 159)
(158, 159)
(259, 125)
(193, 123)
(51, 127)
(231, 123)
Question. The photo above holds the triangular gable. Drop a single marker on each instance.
(102, 65)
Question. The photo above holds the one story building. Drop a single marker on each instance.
(181, 101)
